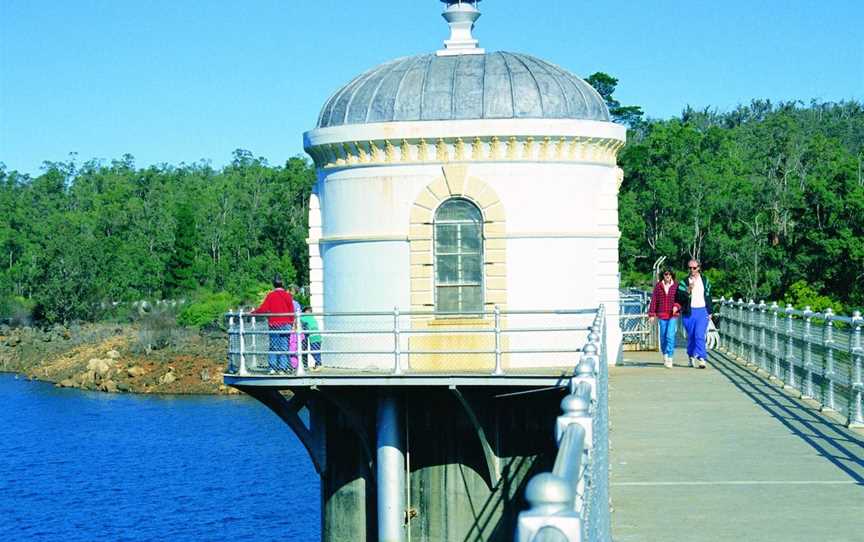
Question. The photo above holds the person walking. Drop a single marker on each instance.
(281, 303)
(664, 308)
(694, 297)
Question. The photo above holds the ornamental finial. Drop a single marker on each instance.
(461, 16)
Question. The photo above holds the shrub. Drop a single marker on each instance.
(158, 325)
(800, 295)
(208, 307)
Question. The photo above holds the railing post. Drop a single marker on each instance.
(763, 343)
(397, 345)
(499, 369)
(751, 321)
(828, 369)
(790, 347)
(242, 369)
(231, 353)
(298, 334)
(807, 354)
(856, 385)
(741, 340)
(775, 327)
(254, 343)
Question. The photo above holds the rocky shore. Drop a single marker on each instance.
(116, 358)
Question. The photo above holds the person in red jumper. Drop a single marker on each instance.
(664, 308)
(278, 302)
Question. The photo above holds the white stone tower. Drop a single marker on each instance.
(461, 180)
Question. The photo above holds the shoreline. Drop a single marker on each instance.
(113, 358)
(19, 375)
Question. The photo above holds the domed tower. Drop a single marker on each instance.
(463, 180)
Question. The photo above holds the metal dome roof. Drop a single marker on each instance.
(496, 85)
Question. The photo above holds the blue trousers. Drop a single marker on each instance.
(696, 325)
(279, 343)
(667, 336)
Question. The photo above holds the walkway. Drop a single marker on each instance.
(719, 454)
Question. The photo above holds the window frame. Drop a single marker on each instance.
(459, 253)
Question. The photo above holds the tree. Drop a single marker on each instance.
(605, 85)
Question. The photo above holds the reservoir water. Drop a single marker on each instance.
(83, 466)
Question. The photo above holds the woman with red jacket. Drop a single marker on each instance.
(664, 308)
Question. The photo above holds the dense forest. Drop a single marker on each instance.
(79, 241)
(770, 197)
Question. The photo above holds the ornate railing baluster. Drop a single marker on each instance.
(807, 353)
(790, 348)
(828, 367)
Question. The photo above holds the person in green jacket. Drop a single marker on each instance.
(311, 341)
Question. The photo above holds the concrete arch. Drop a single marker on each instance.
(456, 182)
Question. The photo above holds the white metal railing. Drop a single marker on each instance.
(636, 329)
(395, 342)
(817, 353)
(571, 503)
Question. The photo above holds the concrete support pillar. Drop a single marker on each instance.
(390, 470)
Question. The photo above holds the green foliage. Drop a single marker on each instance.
(80, 237)
(801, 295)
(207, 308)
(605, 85)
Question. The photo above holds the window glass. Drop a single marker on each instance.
(447, 271)
(448, 299)
(458, 257)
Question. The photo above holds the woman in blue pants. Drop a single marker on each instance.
(694, 297)
(665, 309)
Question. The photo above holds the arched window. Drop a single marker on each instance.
(458, 257)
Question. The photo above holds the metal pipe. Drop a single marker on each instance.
(397, 345)
(242, 369)
(390, 470)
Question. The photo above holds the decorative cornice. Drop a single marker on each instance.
(529, 148)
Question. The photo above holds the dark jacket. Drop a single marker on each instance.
(682, 296)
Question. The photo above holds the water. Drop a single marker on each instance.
(90, 466)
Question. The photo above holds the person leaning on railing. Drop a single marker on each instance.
(279, 301)
(664, 308)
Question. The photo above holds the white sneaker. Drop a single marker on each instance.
(692, 362)
(702, 364)
(667, 361)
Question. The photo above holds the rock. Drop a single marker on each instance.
(168, 378)
(86, 379)
(136, 371)
(113, 354)
(100, 366)
(205, 375)
(123, 386)
(66, 383)
(110, 386)
(13, 341)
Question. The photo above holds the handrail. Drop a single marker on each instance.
(571, 503)
(817, 354)
(413, 342)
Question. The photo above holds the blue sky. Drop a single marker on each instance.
(173, 81)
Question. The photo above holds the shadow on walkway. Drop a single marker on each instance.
(833, 441)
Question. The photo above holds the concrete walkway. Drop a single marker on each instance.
(719, 454)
